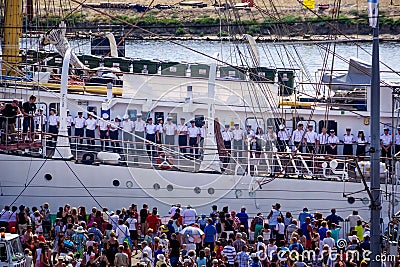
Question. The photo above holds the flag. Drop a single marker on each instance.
(373, 13)
(309, 4)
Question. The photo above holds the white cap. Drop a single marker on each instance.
(105, 116)
(119, 117)
(281, 127)
(126, 116)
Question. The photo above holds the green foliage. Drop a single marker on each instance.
(269, 20)
(223, 34)
(291, 19)
(180, 31)
(206, 21)
(253, 29)
(201, 34)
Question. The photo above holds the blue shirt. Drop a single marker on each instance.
(243, 259)
(303, 215)
(322, 232)
(244, 219)
(333, 218)
(209, 232)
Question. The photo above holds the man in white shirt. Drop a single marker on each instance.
(310, 138)
(139, 125)
(348, 141)
(104, 131)
(146, 250)
(238, 138)
(283, 138)
(189, 215)
(193, 138)
(227, 137)
(151, 130)
(159, 131)
(70, 122)
(127, 127)
(322, 141)
(297, 137)
(170, 131)
(54, 122)
(91, 125)
(79, 123)
(386, 143)
(40, 121)
(182, 136)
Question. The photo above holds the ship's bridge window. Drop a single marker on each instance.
(158, 115)
(92, 109)
(199, 120)
(255, 122)
(132, 114)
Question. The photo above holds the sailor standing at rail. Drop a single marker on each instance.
(322, 141)
(270, 138)
(159, 132)
(70, 122)
(362, 143)
(79, 123)
(386, 143)
(170, 131)
(151, 130)
(114, 134)
(182, 136)
(127, 126)
(333, 141)
(54, 122)
(91, 125)
(348, 141)
(238, 138)
(202, 133)
(397, 141)
(297, 138)
(283, 138)
(41, 121)
(193, 138)
(310, 138)
(139, 125)
(104, 131)
(227, 137)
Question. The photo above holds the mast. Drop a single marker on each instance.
(12, 33)
(375, 138)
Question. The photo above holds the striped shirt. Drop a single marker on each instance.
(230, 253)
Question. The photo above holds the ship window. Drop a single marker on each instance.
(55, 106)
(211, 191)
(197, 190)
(129, 184)
(92, 109)
(48, 177)
(156, 186)
(115, 183)
(170, 187)
(238, 193)
(132, 114)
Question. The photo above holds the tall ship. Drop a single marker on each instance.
(132, 168)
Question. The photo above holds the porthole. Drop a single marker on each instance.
(197, 190)
(48, 177)
(211, 191)
(238, 193)
(129, 184)
(115, 183)
(170, 188)
(156, 186)
(252, 194)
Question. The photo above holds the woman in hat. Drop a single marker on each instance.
(333, 140)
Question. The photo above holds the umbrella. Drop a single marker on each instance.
(193, 234)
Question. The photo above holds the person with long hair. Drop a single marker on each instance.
(361, 144)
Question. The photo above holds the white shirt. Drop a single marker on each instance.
(348, 139)
(70, 120)
(311, 137)
(114, 125)
(297, 135)
(122, 232)
(149, 252)
(159, 128)
(386, 139)
(54, 120)
(132, 223)
(169, 129)
(91, 124)
(362, 142)
(182, 129)
(283, 135)
(5, 215)
(151, 129)
(139, 126)
(79, 122)
(103, 125)
(249, 134)
(333, 139)
(323, 138)
(227, 136)
(203, 132)
(329, 241)
(189, 216)
(40, 119)
(193, 131)
(238, 134)
(127, 125)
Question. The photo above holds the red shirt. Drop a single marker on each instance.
(154, 222)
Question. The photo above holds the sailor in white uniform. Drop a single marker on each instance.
(169, 130)
(79, 123)
(159, 132)
(362, 143)
(193, 138)
(114, 134)
(40, 121)
(182, 136)
(139, 125)
(104, 131)
(386, 143)
(322, 141)
(310, 138)
(70, 122)
(333, 141)
(397, 141)
(54, 122)
(151, 130)
(348, 141)
(283, 138)
(91, 125)
(238, 138)
(297, 137)
(127, 127)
